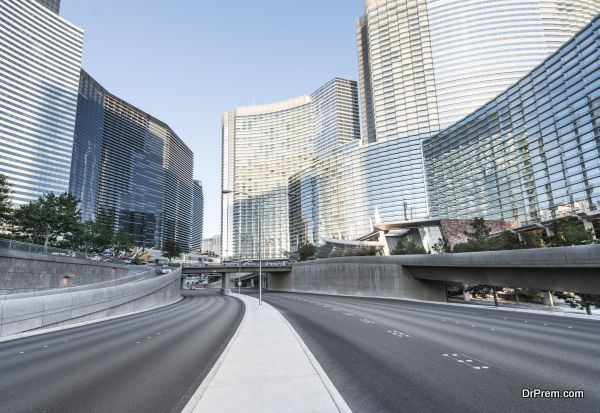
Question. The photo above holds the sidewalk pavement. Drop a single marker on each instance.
(266, 368)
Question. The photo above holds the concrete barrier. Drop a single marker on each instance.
(360, 276)
(19, 315)
(573, 268)
(22, 272)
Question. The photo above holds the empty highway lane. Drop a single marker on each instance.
(148, 362)
(400, 356)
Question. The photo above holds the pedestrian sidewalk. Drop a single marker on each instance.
(266, 368)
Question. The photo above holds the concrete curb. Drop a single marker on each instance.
(197, 396)
(83, 323)
(331, 389)
(482, 307)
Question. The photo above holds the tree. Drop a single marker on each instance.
(48, 218)
(94, 237)
(480, 230)
(6, 207)
(171, 249)
(581, 301)
(441, 247)
(122, 242)
(306, 251)
(409, 248)
(503, 241)
(569, 232)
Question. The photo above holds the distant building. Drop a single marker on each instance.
(197, 217)
(262, 147)
(130, 170)
(40, 60)
(212, 245)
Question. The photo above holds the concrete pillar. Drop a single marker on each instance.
(548, 299)
(588, 225)
(225, 284)
(466, 294)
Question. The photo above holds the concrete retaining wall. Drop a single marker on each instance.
(53, 310)
(22, 272)
(360, 276)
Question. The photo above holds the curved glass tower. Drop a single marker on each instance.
(425, 64)
(262, 147)
(40, 60)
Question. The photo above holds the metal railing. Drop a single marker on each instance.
(13, 245)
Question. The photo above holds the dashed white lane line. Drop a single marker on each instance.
(399, 334)
(45, 346)
(349, 314)
(467, 361)
(21, 352)
(366, 321)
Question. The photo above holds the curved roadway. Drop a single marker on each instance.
(401, 356)
(148, 362)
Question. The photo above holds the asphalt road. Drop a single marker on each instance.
(400, 356)
(149, 362)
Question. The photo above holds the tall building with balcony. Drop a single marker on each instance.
(262, 147)
(130, 170)
(197, 218)
(40, 60)
(532, 154)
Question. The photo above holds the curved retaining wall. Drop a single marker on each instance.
(53, 310)
(360, 276)
(22, 272)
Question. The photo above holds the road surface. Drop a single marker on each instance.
(149, 362)
(401, 356)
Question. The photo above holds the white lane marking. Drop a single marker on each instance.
(545, 324)
(367, 321)
(148, 337)
(473, 326)
(398, 333)
(21, 352)
(468, 361)
(569, 327)
(158, 334)
(349, 314)
(45, 346)
(137, 342)
(493, 329)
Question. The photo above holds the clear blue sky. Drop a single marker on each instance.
(188, 61)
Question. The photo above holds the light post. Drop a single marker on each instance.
(228, 191)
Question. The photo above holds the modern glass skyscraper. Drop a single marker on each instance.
(198, 217)
(130, 170)
(53, 5)
(425, 64)
(40, 59)
(262, 147)
(532, 154)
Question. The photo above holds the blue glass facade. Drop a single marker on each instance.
(532, 153)
(129, 170)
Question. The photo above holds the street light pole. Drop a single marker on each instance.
(259, 253)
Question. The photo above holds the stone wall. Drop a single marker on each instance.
(453, 230)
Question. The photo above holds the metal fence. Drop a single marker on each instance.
(13, 245)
